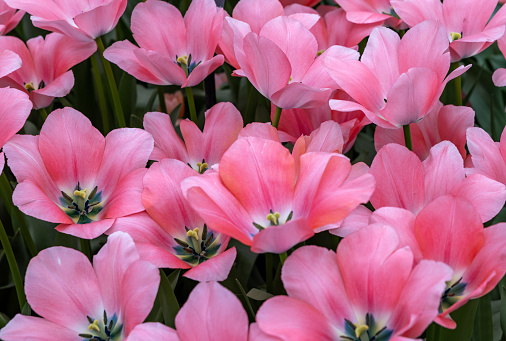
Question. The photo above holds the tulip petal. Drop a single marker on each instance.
(35, 328)
(153, 331)
(278, 239)
(215, 269)
(166, 140)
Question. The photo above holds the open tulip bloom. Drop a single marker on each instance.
(9, 18)
(78, 178)
(79, 301)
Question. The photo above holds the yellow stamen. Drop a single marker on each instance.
(455, 36)
(183, 60)
(193, 233)
(273, 218)
(359, 329)
(94, 326)
(81, 193)
(202, 167)
(29, 86)
(319, 53)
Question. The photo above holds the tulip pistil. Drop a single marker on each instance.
(81, 205)
(198, 247)
(367, 330)
(455, 36)
(103, 330)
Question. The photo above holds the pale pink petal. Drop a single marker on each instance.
(343, 32)
(468, 19)
(399, 178)
(215, 269)
(15, 109)
(413, 12)
(262, 130)
(203, 70)
(499, 77)
(86, 231)
(300, 95)
(2, 162)
(161, 66)
(449, 230)
(153, 331)
(327, 294)
(357, 219)
(67, 275)
(23, 327)
(10, 62)
(486, 155)
(126, 149)
(289, 319)
(126, 197)
(211, 307)
(166, 140)
(256, 334)
(81, 152)
(257, 12)
(486, 195)
(278, 239)
(61, 26)
(101, 19)
(453, 122)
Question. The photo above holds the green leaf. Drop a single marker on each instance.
(483, 327)
(27, 310)
(4, 319)
(503, 309)
(173, 278)
(259, 295)
(168, 300)
(464, 317)
(128, 94)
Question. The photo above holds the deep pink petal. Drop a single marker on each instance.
(101, 19)
(215, 269)
(469, 19)
(292, 320)
(453, 122)
(82, 149)
(449, 230)
(357, 219)
(257, 12)
(327, 294)
(60, 87)
(203, 70)
(262, 130)
(399, 179)
(153, 331)
(278, 239)
(166, 140)
(485, 154)
(86, 231)
(212, 307)
(10, 62)
(14, 110)
(35, 328)
(413, 12)
(67, 275)
(300, 95)
(126, 149)
(161, 66)
(256, 334)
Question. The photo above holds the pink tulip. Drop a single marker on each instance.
(499, 76)
(79, 301)
(309, 3)
(449, 230)
(211, 313)
(257, 199)
(467, 24)
(443, 123)
(14, 110)
(488, 157)
(200, 150)
(369, 12)
(282, 63)
(9, 18)
(370, 290)
(71, 175)
(81, 20)
(398, 81)
(171, 234)
(45, 73)
(179, 53)
(402, 180)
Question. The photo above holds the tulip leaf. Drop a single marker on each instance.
(259, 295)
(503, 309)
(483, 327)
(464, 317)
(168, 300)
(4, 319)
(27, 310)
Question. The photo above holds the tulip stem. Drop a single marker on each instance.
(13, 265)
(161, 99)
(118, 110)
(43, 113)
(16, 215)
(191, 104)
(277, 117)
(86, 247)
(407, 136)
(282, 257)
(100, 92)
(458, 86)
(434, 332)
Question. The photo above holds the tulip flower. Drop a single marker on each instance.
(369, 12)
(9, 18)
(469, 28)
(211, 313)
(368, 290)
(171, 234)
(71, 175)
(443, 123)
(257, 198)
(499, 76)
(44, 73)
(103, 301)
(398, 81)
(180, 53)
(200, 150)
(81, 20)
(15, 108)
(450, 230)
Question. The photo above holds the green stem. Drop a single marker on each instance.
(492, 125)
(13, 265)
(191, 104)
(250, 310)
(249, 115)
(86, 248)
(18, 217)
(101, 94)
(118, 110)
(43, 113)
(277, 117)
(434, 332)
(161, 99)
(458, 86)
(268, 271)
(407, 136)
(282, 257)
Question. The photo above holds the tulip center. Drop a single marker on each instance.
(103, 330)
(455, 36)
(452, 295)
(82, 206)
(31, 87)
(186, 63)
(273, 219)
(367, 331)
(197, 247)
